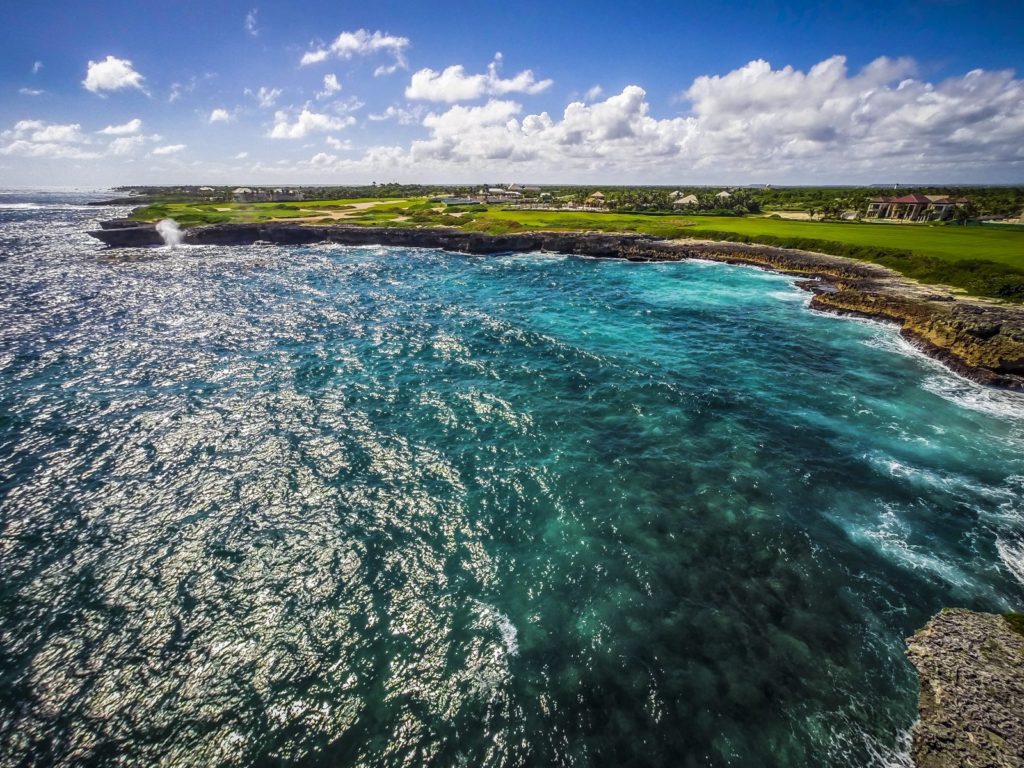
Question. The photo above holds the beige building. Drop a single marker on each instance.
(685, 202)
(913, 208)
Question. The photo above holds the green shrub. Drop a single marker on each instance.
(1016, 620)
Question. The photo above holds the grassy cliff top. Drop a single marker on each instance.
(981, 260)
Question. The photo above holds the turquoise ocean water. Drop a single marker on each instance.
(367, 506)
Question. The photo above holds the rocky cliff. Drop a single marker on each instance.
(971, 704)
(979, 339)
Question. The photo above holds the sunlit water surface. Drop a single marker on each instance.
(381, 507)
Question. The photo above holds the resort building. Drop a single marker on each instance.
(685, 202)
(499, 195)
(286, 195)
(723, 196)
(596, 200)
(913, 208)
(248, 195)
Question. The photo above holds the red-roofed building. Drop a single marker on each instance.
(913, 208)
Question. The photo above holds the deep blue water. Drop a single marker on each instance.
(366, 506)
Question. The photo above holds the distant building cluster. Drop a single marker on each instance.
(533, 197)
(914, 207)
(679, 200)
(513, 193)
(260, 195)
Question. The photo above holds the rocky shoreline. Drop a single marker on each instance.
(981, 340)
(971, 702)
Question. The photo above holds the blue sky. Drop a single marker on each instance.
(601, 92)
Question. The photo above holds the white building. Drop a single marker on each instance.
(247, 195)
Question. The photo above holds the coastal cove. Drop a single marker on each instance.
(979, 339)
(374, 504)
(385, 385)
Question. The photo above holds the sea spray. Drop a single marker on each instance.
(170, 232)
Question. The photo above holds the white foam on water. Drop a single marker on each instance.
(888, 338)
(48, 207)
(946, 383)
(489, 672)
(509, 634)
(890, 537)
(794, 295)
(1012, 557)
(1001, 403)
(914, 474)
(949, 482)
(503, 624)
(885, 756)
(540, 258)
(847, 745)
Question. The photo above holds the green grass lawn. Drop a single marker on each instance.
(192, 214)
(953, 243)
(980, 260)
(498, 221)
(950, 242)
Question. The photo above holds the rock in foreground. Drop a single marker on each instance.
(971, 667)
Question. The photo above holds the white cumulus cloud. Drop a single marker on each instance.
(348, 45)
(252, 22)
(132, 126)
(618, 129)
(112, 74)
(879, 119)
(37, 138)
(342, 144)
(307, 122)
(402, 115)
(168, 149)
(38, 130)
(266, 97)
(331, 86)
(314, 57)
(825, 124)
(453, 84)
(220, 115)
(125, 145)
(48, 150)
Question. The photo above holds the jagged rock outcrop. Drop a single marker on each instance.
(971, 705)
(979, 339)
